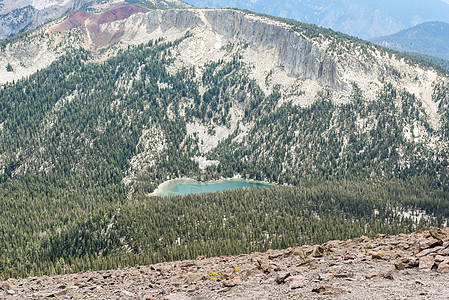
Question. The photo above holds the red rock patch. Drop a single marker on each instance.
(90, 22)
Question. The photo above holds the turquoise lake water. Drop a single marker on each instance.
(184, 187)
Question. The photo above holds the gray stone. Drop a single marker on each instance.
(428, 243)
(318, 251)
(229, 283)
(399, 266)
(280, 277)
(429, 251)
(297, 282)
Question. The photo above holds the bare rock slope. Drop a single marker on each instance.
(414, 266)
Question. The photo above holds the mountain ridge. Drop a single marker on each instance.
(367, 20)
(20, 16)
(427, 38)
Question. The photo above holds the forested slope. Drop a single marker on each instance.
(84, 141)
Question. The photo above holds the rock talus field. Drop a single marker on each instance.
(413, 266)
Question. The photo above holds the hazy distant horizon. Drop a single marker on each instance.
(364, 19)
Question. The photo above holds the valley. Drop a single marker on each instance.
(100, 107)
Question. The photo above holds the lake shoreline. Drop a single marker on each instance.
(186, 180)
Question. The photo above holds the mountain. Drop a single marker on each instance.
(444, 63)
(99, 107)
(429, 38)
(365, 19)
(19, 16)
(349, 269)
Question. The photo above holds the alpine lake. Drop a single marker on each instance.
(183, 187)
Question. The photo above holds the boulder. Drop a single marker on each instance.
(410, 262)
(318, 251)
(280, 277)
(439, 234)
(426, 263)
(4, 286)
(275, 254)
(428, 243)
(390, 275)
(371, 275)
(444, 252)
(229, 283)
(429, 251)
(265, 266)
(443, 267)
(399, 266)
(193, 278)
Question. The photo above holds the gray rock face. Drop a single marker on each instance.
(19, 16)
(365, 19)
(16, 21)
(179, 19)
(296, 55)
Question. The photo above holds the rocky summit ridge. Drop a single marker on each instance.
(406, 266)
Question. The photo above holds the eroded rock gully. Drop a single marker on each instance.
(413, 266)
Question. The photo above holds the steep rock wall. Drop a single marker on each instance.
(300, 57)
(166, 20)
(297, 55)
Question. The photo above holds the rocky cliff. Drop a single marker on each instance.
(328, 61)
(297, 55)
(413, 266)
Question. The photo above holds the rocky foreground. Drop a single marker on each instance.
(414, 266)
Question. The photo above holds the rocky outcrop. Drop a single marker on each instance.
(15, 21)
(413, 266)
(180, 19)
(296, 54)
(299, 56)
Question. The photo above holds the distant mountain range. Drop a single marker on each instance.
(365, 19)
(431, 38)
